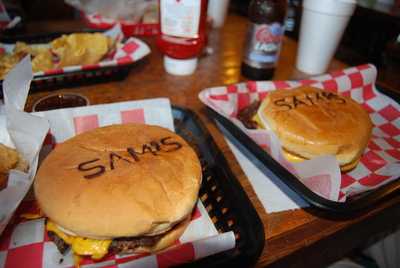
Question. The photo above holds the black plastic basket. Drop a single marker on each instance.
(68, 79)
(222, 195)
(353, 205)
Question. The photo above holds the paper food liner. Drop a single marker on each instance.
(127, 52)
(25, 243)
(380, 162)
(22, 131)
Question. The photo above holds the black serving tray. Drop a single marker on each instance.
(353, 205)
(69, 79)
(223, 197)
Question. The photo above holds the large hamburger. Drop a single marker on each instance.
(311, 122)
(123, 189)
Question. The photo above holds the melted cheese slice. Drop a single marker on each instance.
(292, 157)
(257, 119)
(97, 249)
(31, 216)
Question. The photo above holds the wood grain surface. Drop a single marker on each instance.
(298, 238)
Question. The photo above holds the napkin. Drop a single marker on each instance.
(380, 162)
(22, 131)
(274, 195)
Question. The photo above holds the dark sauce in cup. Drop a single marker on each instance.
(58, 101)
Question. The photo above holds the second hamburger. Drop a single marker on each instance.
(311, 122)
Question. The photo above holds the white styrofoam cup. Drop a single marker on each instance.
(217, 10)
(322, 27)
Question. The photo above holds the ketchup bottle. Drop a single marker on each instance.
(264, 38)
(182, 34)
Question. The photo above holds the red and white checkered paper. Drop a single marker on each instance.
(25, 243)
(380, 162)
(127, 52)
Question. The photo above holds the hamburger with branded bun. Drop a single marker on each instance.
(127, 188)
(311, 122)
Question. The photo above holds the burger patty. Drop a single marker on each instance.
(118, 245)
(128, 244)
(60, 243)
(3, 180)
(246, 115)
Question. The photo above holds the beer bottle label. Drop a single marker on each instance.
(263, 45)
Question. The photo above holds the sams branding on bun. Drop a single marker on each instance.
(311, 122)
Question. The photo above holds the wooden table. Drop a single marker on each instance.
(298, 238)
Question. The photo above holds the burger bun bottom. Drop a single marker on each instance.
(167, 240)
(294, 158)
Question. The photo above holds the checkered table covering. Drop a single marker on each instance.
(380, 162)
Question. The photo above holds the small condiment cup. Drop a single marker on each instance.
(60, 100)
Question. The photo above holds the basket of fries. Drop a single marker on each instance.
(73, 59)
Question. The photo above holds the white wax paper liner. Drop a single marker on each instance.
(23, 131)
(379, 163)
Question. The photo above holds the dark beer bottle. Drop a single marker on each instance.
(264, 38)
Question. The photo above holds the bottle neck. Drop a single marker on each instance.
(267, 11)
